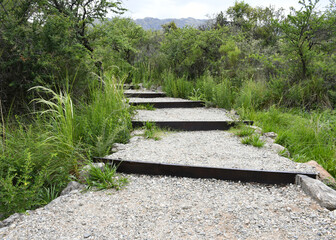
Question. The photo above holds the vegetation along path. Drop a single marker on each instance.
(163, 207)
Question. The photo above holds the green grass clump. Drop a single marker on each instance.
(105, 178)
(152, 131)
(243, 131)
(253, 140)
(306, 135)
(42, 152)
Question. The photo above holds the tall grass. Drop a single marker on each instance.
(40, 154)
(105, 119)
(307, 136)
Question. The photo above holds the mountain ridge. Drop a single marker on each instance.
(150, 23)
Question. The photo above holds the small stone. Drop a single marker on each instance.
(280, 149)
(272, 135)
(87, 235)
(72, 186)
(84, 173)
(257, 130)
(11, 219)
(333, 214)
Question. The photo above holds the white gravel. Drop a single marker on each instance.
(183, 114)
(182, 208)
(161, 99)
(179, 208)
(206, 148)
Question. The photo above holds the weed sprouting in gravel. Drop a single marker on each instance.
(105, 178)
(243, 131)
(253, 140)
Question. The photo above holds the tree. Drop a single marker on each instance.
(302, 30)
(44, 41)
(83, 13)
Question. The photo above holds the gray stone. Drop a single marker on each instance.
(118, 146)
(268, 140)
(323, 194)
(272, 135)
(333, 214)
(84, 173)
(280, 149)
(257, 130)
(139, 132)
(11, 219)
(73, 185)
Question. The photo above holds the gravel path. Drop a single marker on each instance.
(183, 114)
(182, 208)
(179, 208)
(206, 148)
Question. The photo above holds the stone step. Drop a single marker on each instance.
(168, 104)
(139, 94)
(193, 125)
(229, 174)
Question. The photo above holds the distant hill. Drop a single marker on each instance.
(149, 23)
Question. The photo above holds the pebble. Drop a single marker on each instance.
(207, 148)
(179, 208)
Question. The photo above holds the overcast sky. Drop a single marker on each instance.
(196, 8)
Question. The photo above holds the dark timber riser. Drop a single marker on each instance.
(229, 174)
(181, 104)
(145, 95)
(193, 125)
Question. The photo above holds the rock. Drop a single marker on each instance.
(268, 140)
(73, 185)
(272, 135)
(139, 132)
(11, 219)
(280, 150)
(87, 235)
(118, 146)
(257, 130)
(135, 139)
(333, 214)
(322, 173)
(323, 194)
(234, 115)
(84, 173)
(159, 89)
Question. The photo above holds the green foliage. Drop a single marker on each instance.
(116, 45)
(243, 131)
(303, 31)
(38, 158)
(105, 178)
(253, 140)
(179, 88)
(152, 131)
(252, 95)
(307, 136)
(104, 119)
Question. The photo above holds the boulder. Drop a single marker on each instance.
(72, 186)
(257, 130)
(323, 194)
(11, 219)
(280, 150)
(272, 135)
(118, 146)
(84, 173)
(322, 173)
